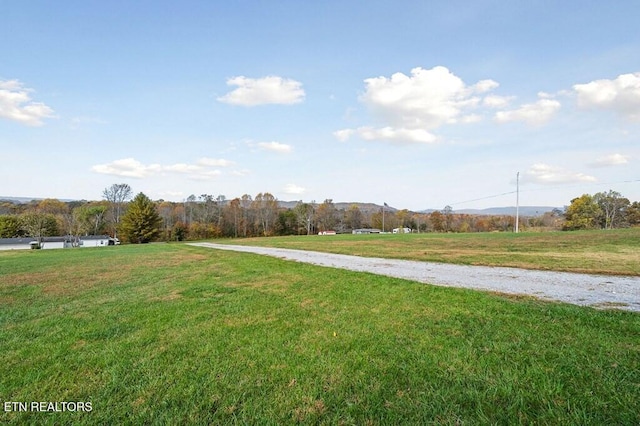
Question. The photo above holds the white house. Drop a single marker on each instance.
(402, 230)
(366, 231)
(96, 241)
(30, 242)
(15, 243)
(27, 243)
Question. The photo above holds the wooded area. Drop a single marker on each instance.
(140, 219)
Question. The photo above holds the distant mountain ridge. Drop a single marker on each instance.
(341, 205)
(26, 200)
(491, 211)
(372, 207)
(511, 211)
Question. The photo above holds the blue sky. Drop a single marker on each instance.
(417, 104)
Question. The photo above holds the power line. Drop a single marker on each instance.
(544, 189)
(483, 198)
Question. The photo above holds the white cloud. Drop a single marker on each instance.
(411, 107)
(484, 86)
(391, 134)
(130, 167)
(471, 118)
(426, 99)
(534, 114)
(261, 91)
(344, 134)
(127, 167)
(182, 168)
(293, 189)
(206, 175)
(242, 172)
(621, 95)
(275, 147)
(495, 101)
(214, 162)
(611, 160)
(545, 174)
(16, 104)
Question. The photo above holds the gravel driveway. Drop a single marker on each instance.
(599, 291)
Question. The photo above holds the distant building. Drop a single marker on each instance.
(57, 242)
(97, 241)
(327, 233)
(366, 231)
(402, 230)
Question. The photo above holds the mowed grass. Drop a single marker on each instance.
(615, 252)
(173, 334)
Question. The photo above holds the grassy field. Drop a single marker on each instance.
(173, 334)
(615, 252)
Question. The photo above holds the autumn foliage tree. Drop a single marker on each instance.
(582, 213)
(9, 226)
(141, 223)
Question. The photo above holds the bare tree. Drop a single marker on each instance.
(448, 217)
(219, 203)
(247, 215)
(304, 214)
(612, 205)
(188, 208)
(117, 195)
(232, 213)
(327, 215)
(266, 208)
(354, 217)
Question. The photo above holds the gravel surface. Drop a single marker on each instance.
(599, 291)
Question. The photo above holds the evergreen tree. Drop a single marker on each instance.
(141, 223)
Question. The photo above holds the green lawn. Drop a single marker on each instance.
(173, 334)
(615, 252)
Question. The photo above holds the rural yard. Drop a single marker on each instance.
(201, 333)
(320, 213)
(599, 291)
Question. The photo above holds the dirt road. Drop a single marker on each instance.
(599, 291)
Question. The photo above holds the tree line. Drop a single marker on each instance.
(603, 210)
(139, 219)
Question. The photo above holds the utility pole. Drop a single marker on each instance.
(517, 200)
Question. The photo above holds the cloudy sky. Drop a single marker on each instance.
(419, 104)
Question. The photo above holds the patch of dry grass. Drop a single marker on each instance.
(95, 271)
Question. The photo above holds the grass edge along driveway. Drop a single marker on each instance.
(605, 252)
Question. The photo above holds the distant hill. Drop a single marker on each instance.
(365, 207)
(498, 211)
(523, 211)
(26, 200)
(19, 200)
(371, 207)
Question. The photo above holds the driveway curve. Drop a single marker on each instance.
(598, 291)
